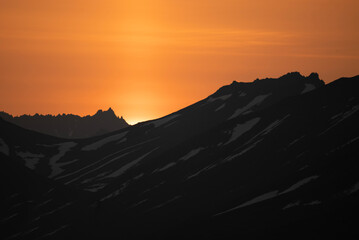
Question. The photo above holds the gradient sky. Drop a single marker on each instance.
(146, 59)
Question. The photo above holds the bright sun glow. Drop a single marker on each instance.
(146, 59)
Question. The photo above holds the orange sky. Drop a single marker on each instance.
(146, 59)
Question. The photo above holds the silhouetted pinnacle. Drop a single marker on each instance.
(70, 125)
(111, 111)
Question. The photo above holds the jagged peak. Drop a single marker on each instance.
(109, 113)
(295, 78)
(292, 74)
(314, 76)
(110, 110)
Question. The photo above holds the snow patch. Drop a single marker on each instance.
(316, 202)
(271, 194)
(295, 141)
(290, 205)
(304, 167)
(344, 145)
(122, 140)
(53, 211)
(171, 164)
(350, 112)
(224, 97)
(249, 147)
(252, 143)
(30, 231)
(154, 187)
(165, 203)
(104, 174)
(130, 165)
(273, 125)
(298, 203)
(200, 171)
(100, 143)
(299, 184)
(164, 120)
(242, 128)
(9, 217)
(341, 117)
(169, 124)
(56, 167)
(91, 170)
(353, 189)
(258, 199)
(31, 159)
(53, 232)
(336, 116)
(191, 154)
(243, 94)
(111, 195)
(4, 148)
(139, 203)
(95, 187)
(256, 101)
(138, 176)
(307, 88)
(44, 203)
(268, 129)
(220, 107)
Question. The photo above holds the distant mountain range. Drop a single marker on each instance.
(276, 158)
(69, 125)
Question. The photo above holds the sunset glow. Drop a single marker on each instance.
(146, 59)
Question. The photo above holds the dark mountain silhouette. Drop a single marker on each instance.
(273, 159)
(69, 125)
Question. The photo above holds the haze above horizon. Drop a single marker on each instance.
(146, 59)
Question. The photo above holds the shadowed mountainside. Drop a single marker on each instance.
(273, 159)
(69, 125)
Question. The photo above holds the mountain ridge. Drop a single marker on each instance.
(285, 166)
(70, 125)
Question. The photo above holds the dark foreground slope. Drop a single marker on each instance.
(276, 170)
(69, 125)
(93, 163)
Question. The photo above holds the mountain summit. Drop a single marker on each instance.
(290, 84)
(69, 125)
(108, 113)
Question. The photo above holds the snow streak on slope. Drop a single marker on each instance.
(299, 184)
(91, 170)
(98, 144)
(201, 171)
(353, 189)
(258, 199)
(130, 165)
(224, 97)
(31, 159)
(169, 165)
(308, 87)
(4, 148)
(63, 149)
(271, 194)
(220, 107)
(256, 139)
(256, 101)
(164, 120)
(191, 154)
(242, 128)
